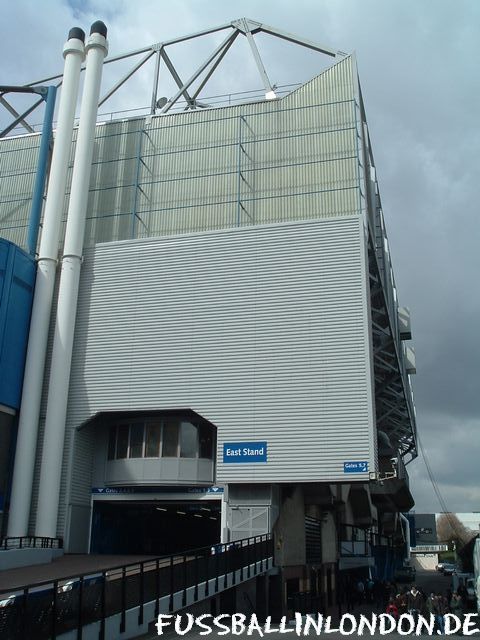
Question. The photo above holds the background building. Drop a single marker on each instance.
(240, 363)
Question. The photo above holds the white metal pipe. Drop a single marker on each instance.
(407, 533)
(21, 495)
(52, 454)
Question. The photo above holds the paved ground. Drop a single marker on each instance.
(427, 580)
(65, 566)
(70, 565)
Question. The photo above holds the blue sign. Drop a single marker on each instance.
(355, 467)
(238, 452)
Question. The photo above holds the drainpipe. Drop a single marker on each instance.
(52, 455)
(39, 186)
(73, 53)
(407, 533)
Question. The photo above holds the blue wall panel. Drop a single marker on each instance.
(17, 281)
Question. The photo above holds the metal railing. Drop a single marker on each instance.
(357, 542)
(30, 542)
(353, 541)
(214, 101)
(51, 608)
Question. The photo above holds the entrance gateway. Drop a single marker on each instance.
(154, 520)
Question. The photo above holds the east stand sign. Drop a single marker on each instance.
(244, 452)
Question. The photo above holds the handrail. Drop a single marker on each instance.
(360, 537)
(224, 546)
(59, 605)
(30, 542)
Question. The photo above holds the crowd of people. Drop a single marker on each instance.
(417, 603)
(389, 598)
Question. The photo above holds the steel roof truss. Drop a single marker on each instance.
(258, 59)
(296, 40)
(128, 75)
(15, 113)
(215, 64)
(182, 88)
(245, 26)
(192, 79)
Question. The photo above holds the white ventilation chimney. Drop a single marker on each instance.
(21, 495)
(52, 454)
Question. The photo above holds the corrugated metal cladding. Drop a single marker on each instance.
(271, 161)
(261, 330)
(18, 164)
(17, 280)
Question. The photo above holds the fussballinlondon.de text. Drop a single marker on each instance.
(239, 624)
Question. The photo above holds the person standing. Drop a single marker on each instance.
(456, 605)
(392, 608)
(430, 603)
(360, 591)
(414, 602)
(441, 608)
(401, 602)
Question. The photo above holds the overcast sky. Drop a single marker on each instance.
(418, 62)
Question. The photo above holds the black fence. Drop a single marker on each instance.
(30, 542)
(51, 608)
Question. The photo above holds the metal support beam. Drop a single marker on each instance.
(137, 52)
(22, 116)
(156, 74)
(122, 80)
(15, 114)
(269, 92)
(192, 79)
(41, 174)
(215, 64)
(296, 40)
(176, 77)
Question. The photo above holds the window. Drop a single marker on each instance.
(136, 440)
(205, 441)
(122, 441)
(170, 439)
(188, 440)
(152, 440)
(112, 441)
(156, 437)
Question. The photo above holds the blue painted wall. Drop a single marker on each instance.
(17, 281)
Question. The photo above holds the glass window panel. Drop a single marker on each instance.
(188, 440)
(122, 441)
(112, 441)
(136, 440)
(205, 439)
(152, 443)
(170, 439)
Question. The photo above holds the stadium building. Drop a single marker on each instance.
(240, 363)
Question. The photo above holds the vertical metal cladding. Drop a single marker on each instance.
(218, 168)
(18, 160)
(222, 168)
(17, 279)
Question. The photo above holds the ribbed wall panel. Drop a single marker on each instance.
(337, 85)
(262, 330)
(18, 164)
